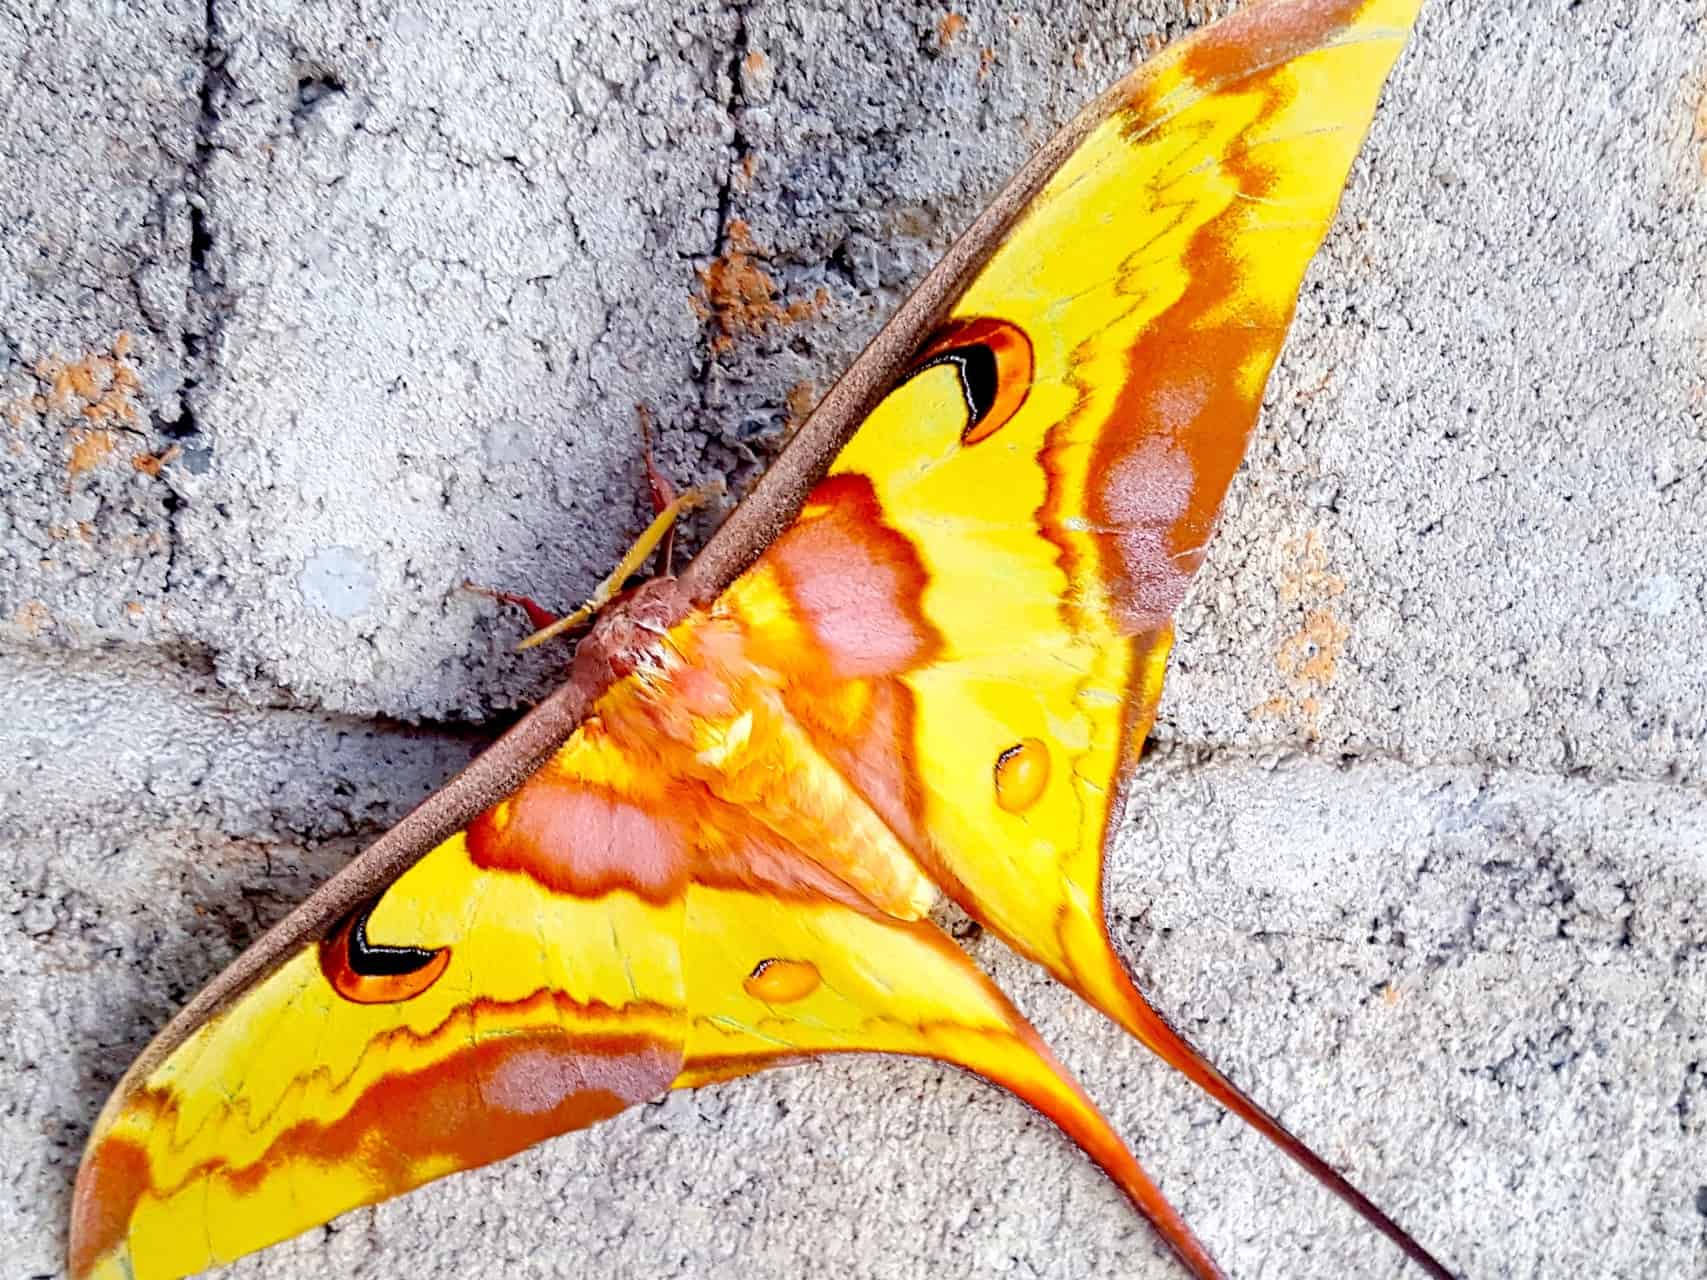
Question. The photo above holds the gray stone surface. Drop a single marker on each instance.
(1421, 851)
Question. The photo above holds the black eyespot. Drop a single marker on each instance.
(979, 380)
(369, 961)
(993, 359)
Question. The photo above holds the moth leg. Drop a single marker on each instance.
(630, 564)
(659, 488)
(773, 981)
(663, 496)
(538, 614)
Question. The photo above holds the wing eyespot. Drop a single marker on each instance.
(368, 973)
(1021, 774)
(779, 981)
(994, 362)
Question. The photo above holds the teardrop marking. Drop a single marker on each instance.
(1021, 774)
(994, 361)
(779, 981)
(367, 973)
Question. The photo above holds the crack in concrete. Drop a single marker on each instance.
(203, 293)
(739, 149)
(201, 316)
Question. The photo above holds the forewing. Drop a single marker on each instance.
(480, 1005)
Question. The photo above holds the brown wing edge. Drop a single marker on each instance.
(496, 772)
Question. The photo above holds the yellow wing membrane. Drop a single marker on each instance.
(1150, 283)
(468, 1013)
(934, 681)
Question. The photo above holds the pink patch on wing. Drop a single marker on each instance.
(1144, 496)
(575, 839)
(544, 1074)
(855, 582)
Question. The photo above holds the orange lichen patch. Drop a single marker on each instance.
(133, 610)
(150, 464)
(739, 299)
(96, 387)
(1313, 652)
(32, 617)
(782, 981)
(96, 391)
(802, 397)
(1308, 659)
(89, 448)
(744, 174)
(754, 62)
(1022, 772)
(1304, 576)
(986, 63)
(951, 25)
(1153, 43)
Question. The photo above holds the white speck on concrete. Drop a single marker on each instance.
(340, 581)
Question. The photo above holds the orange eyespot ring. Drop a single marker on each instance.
(782, 981)
(364, 973)
(1021, 774)
(994, 361)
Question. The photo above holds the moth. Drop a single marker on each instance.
(919, 659)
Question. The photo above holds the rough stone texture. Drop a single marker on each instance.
(100, 106)
(1419, 856)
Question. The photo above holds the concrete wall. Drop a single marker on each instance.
(311, 311)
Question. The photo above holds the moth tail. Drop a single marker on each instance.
(850, 981)
(1026, 1067)
(1126, 1005)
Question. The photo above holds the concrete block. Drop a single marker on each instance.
(313, 311)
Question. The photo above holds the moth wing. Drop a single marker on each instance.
(481, 1004)
(609, 930)
(491, 998)
(973, 607)
(772, 982)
